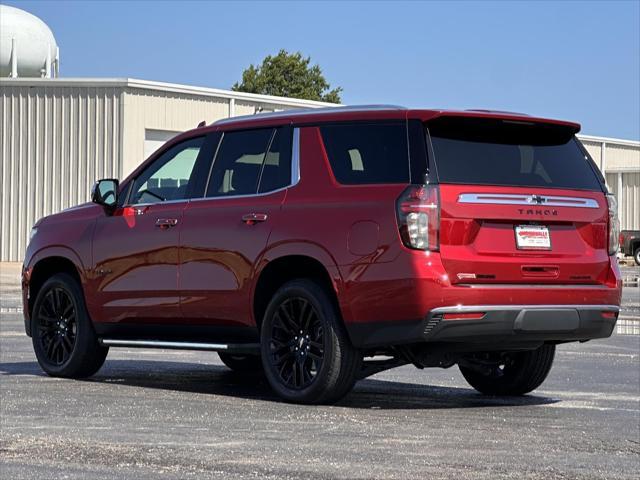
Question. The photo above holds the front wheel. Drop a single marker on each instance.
(306, 353)
(508, 373)
(63, 337)
(636, 256)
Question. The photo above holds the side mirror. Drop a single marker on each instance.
(105, 193)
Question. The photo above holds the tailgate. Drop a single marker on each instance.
(479, 226)
(521, 202)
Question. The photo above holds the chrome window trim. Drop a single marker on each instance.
(167, 202)
(295, 178)
(295, 157)
(295, 172)
(248, 195)
(495, 308)
(530, 200)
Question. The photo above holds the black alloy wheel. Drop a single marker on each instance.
(306, 352)
(297, 346)
(63, 336)
(57, 325)
(508, 373)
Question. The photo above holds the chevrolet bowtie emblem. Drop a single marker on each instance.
(538, 199)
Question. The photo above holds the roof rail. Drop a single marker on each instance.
(485, 110)
(310, 111)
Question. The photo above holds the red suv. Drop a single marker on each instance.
(327, 245)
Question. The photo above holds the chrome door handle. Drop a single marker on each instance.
(253, 218)
(165, 223)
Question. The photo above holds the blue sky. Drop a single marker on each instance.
(571, 60)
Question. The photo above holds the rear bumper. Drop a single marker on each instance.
(509, 323)
(493, 326)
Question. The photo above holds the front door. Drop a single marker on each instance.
(135, 250)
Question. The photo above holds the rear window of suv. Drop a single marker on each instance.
(501, 152)
(367, 153)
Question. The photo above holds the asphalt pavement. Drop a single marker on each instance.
(154, 414)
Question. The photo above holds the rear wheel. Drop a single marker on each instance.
(508, 373)
(306, 353)
(241, 363)
(63, 337)
(636, 255)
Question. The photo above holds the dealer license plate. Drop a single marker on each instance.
(532, 237)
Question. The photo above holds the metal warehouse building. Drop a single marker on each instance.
(57, 136)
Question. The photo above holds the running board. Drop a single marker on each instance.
(245, 348)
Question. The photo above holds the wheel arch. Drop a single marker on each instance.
(276, 270)
(45, 264)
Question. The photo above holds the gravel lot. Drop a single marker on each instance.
(169, 414)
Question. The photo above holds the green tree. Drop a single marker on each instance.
(288, 75)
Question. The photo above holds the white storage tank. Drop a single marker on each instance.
(27, 45)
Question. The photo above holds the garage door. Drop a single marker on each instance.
(154, 139)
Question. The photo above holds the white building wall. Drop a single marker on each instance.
(54, 142)
(57, 136)
(156, 110)
(620, 162)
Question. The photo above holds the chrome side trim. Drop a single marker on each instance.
(529, 286)
(295, 157)
(530, 200)
(495, 308)
(249, 195)
(107, 342)
(166, 202)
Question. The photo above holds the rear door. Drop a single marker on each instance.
(224, 233)
(521, 203)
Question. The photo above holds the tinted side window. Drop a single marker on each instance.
(168, 177)
(368, 153)
(237, 166)
(276, 171)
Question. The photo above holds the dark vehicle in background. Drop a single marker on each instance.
(323, 246)
(630, 244)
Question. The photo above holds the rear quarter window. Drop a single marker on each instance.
(497, 152)
(367, 153)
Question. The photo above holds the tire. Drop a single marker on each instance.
(306, 353)
(511, 373)
(241, 363)
(636, 255)
(63, 337)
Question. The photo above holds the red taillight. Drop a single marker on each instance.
(418, 211)
(614, 224)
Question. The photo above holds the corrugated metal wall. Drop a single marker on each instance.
(54, 143)
(631, 201)
(157, 110)
(622, 173)
(57, 137)
(628, 197)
